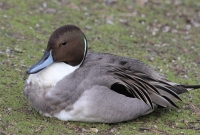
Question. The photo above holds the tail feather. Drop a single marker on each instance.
(179, 89)
(191, 87)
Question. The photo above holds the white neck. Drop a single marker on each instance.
(52, 74)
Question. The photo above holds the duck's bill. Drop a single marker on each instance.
(44, 62)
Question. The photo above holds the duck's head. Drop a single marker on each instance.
(66, 44)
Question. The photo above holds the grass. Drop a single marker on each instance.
(165, 35)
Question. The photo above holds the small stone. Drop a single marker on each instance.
(50, 10)
(110, 2)
(5, 16)
(178, 111)
(187, 38)
(153, 33)
(185, 76)
(8, 50)
(109, 22)
(195, 24)
(174, 40)
(85, 8)
(37, 25)
(18, 50)
(9, 109)
(88, 27)
(143, 15)
(174, 30)
(86, 14)
(44, 5)
(123, 21)
(143, 22)
(84, 130)
(188, 26)
(155, 127)
(166, 29)
(151, 58)
(113, 130)
(95, 130)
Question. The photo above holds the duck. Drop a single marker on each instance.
(71, 83)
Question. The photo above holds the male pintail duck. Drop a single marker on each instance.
(72, 85)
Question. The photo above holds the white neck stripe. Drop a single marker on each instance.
(85, 41)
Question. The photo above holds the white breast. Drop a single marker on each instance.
(51, 74)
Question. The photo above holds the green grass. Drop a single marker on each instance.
(123, 28)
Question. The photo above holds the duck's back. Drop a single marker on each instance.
(131, 63)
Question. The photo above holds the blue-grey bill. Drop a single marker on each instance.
(44, 62)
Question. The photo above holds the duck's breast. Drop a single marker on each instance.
(39, 86)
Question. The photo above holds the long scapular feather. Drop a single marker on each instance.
(168, 91)
(171, 102)
(143, 94)
(136, 92)
(147, 88)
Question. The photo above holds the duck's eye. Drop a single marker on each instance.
(64, 43)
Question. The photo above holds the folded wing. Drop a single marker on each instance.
(144, 87)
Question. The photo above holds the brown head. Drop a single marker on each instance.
(66, 44)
